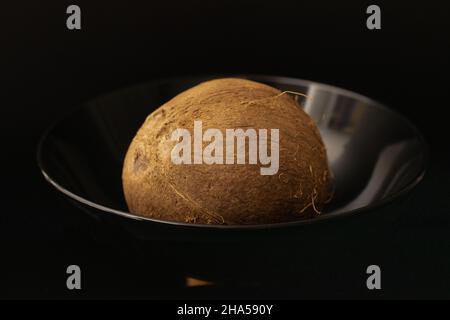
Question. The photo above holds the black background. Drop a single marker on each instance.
(47, 70)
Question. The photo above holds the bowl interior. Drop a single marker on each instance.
(375, 154)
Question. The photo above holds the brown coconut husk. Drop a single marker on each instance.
(229, 193)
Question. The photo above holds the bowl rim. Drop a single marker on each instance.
(256, 77)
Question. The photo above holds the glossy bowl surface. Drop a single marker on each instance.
(376, 154)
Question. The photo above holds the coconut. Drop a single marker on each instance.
(227, 192)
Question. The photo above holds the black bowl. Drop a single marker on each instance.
(376, 156)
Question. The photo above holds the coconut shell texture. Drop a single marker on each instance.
(227, 193)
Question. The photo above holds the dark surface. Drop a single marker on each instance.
(47, 71)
